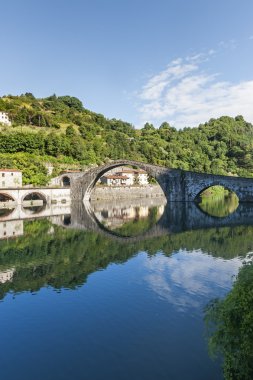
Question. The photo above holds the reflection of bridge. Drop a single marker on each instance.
(177, 185)
(177, 217)
(11, 223)
(38, 212)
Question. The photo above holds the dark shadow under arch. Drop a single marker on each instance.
(5, 197)
(33, 196)
(65, 181)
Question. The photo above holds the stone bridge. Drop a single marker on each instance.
(18, 196)
(177, 184)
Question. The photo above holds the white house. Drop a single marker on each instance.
(136, 176)
(129, 173)
(10, 178)
(115, 180)
(4, 118)
(142, 177)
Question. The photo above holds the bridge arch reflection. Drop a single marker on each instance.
(177, 217)
(217, 201)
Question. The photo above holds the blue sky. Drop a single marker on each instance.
(181, 61)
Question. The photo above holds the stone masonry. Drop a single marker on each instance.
(176, 184)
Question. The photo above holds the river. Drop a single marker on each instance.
(116, 291)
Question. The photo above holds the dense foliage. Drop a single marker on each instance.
(230, 321)
(59, 126)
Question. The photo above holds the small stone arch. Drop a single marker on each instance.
(33, 208)
(34, 195)
(65, 180)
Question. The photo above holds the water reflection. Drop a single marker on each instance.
(190, 277)
(129, 217)
(30, 210)
(48, 251)
(5, 212)
(126, 289)
(219, 206)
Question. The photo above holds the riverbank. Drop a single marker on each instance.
(126, 192)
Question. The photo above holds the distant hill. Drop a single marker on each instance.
(59, 130)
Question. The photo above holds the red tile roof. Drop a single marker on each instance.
(116, 177)
(70, 171)
(9, 170)
(133, 171)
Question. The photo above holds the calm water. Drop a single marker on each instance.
(115, 292)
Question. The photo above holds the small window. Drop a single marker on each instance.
(4, 233)
(3, 183)
(12, 174)
(3, 174)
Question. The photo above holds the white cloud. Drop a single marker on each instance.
(189, 279)
(185, 95)
(251, 37)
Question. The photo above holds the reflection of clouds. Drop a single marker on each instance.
(190, 279)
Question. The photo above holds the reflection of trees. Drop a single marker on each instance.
(221, 205)
(230, 323)
(51, 255)
(139, 225)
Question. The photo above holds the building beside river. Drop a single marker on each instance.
(11, 178)
(116, 180)
(125, 177)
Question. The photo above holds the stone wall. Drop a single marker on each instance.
(126, 192)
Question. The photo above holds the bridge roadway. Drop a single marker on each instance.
(47, 210)
(177, 184)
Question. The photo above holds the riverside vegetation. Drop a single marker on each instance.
(60, 131)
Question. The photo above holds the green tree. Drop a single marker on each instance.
(230, 328)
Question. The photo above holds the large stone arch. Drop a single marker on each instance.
(83, 184)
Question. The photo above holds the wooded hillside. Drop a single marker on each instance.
(58, 129)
